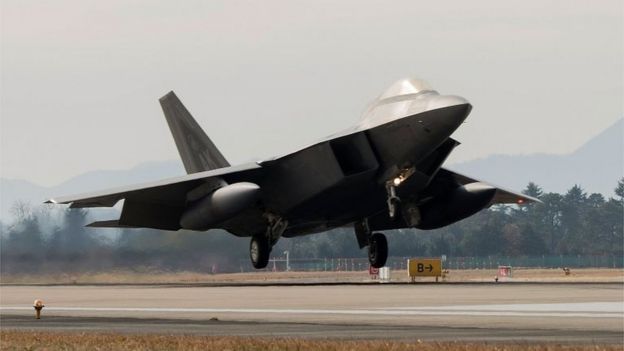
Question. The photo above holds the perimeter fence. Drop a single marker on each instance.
(485, 262)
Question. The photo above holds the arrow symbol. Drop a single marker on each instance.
(430, 267)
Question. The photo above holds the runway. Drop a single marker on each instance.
(478, 312)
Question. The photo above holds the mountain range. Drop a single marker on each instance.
(596, 166)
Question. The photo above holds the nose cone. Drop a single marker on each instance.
(442, 121)
(456, 115)
(440, 101)
(456, 108)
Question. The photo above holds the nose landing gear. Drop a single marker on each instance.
(393, 200)
(376, 242)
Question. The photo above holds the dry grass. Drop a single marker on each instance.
(22, 340)
(154, 277)
(157, 277)
(542, 275)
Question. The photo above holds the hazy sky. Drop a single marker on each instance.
(80, 79)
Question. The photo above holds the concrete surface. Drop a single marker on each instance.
(486, 312)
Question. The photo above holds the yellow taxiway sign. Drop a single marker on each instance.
(424, 267)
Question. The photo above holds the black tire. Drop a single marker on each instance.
(259, 251)
(378, 250)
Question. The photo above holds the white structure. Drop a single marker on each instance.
(384, 274)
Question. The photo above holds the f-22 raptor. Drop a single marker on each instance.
(383, 173)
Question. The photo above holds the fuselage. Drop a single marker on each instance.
(345, 174)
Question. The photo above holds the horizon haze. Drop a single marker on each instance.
(80, 82)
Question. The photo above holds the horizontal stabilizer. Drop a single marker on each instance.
(502, 196)
(113, 223)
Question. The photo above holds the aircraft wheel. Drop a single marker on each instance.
(378, 250)
(259, 251)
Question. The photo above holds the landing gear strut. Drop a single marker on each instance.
(376, 242)
(393, 200)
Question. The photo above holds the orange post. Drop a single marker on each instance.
(38, 305)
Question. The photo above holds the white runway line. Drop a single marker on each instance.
(580, 310)
(609, 307)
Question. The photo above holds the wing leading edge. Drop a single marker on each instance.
(157, 191)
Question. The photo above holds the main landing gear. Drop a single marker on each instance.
(259, 251)
(261, 244)
(376, 242)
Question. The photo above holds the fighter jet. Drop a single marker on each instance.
(383, 173)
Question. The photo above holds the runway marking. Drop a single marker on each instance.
(608, 307)
(580, 310)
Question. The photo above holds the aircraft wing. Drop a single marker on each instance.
(502, 196)
(158, 204)
(171, 191)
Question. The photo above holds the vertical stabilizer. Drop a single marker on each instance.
(197, 151)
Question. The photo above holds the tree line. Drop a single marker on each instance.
(46, 239)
